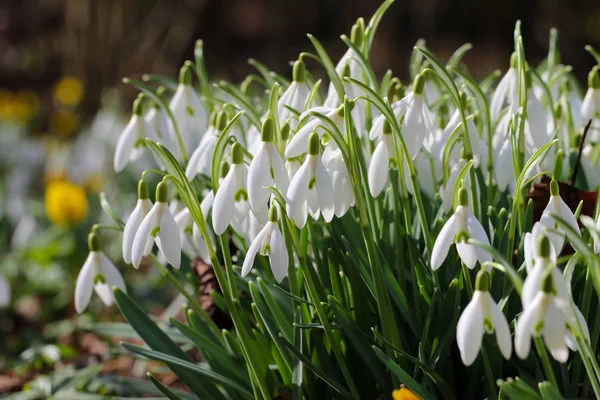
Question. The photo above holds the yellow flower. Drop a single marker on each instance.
(404, 393)
(68, 91)
(66, 203)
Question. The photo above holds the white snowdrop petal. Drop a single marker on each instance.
(325, 194)
(502, 329)
(525, 325)
(298, 190)
(378, 169)
(223, 204)
(168, 239)
(467, 254)
(554, 334)
(85, 283)
(569, 217)
(298, 145)
(278, 255)
(259, 176)
(443, 242)
(469, 331)
(282, 181)
(131, 227)
(477, 232)
(142, 236)
(252, 250)
(125, 145)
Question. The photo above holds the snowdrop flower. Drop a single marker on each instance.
(536, 126)
(461, 226)
(137, 128)
(201, 159)
(506, 90)
(311, 185)
(398, 107)
(158, 121)
(417, 126)
(158, 226)
(340, 179)
(299, 142)
(383, 159)
(531, 245)
(231, 199)
(482, 315)
(547, 315)
(188, 110)
(192, 243)
(295, 95)
(557, 206)
(5, 293)
(266, 169)
(142, 208)
(269, 241)
(590, 107)
(98, 274)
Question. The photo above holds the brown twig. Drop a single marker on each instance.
(579, 152)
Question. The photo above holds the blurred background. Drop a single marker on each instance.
(62, 106)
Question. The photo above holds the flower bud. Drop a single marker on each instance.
(237, 153)
(544, 246)
(268, 130)
(482, 282)
(419, 84)
(463, 197)
(93, 243)
(138, 105)
(299, 71)
(162, 192)
(313, 144)
(143, 191)
(185, 75)
(554, 190)
(273, 214)
(221, 120)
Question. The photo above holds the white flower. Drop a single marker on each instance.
(548, 315)
(398, 107)
(482, 315)
(231, 199)
(292, 165)
(531, 245)
(142, 208)
(266, 169)
(98, 274)
(192, 244)
(159, 226)
(536, 126)
(188, 110)
(506, 90)
(137, 128)
(417, 126)
(269, 241)
(311, 185)
(5, 293)
(201, 159)
(461, 226)
(383, 159)
(590, 107)
(294, 96)
(558, 207)
(158, 121)
(340, 179)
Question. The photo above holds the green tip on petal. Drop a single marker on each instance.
(482, 282)
(138, 105)
(268, 130)
(463, 197)
(285, 131)
(185, 75)
(358, 32)
(513, 60)
(162, 192)
(554, 191)
(273, 214)
(221, 120)
(224, 169)
(313, 144)
(93, 243)
(237, 153)
(594, 78)
(547, 283)
(299, 71)
(387, 128)
(544, 246)
(143, 190)
(419, 84)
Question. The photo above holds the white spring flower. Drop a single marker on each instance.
(192, 243)
(142, 208)
(482, 315)
(557, 206)
(231, 199)
(398, 108)
(383, 159)
(188, 110)
(269, 241)
(506, 91)
(340, 179)
(5, 292)
(417, 126)
(137, 128)
(98, 274)
(311, 185)
(461, 226)
(531, 245)
(266, 169)
(536, 126)
(158, 121)
(158, 226)
(201, 159)
(299, 142)
(590, 107)
(548, 315)
(295, 95)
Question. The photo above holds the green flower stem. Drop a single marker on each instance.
(545, 361)
(233, 289)
(489, 375)
(585, 309)
(588, 357)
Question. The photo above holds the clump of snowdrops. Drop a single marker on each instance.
(367, 233)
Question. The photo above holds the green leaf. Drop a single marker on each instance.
(331, 72)
(549, 392)
(164, 390)
(109, 211)
(123, 330)
(194, 369)
(403, 376)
